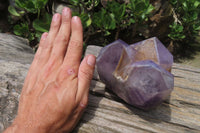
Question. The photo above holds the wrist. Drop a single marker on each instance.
(18, 127)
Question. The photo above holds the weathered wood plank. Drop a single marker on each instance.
(112, 116)
(180, 113)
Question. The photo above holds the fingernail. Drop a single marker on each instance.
(55, 17)
(91, 60)
(75, 18)
(66, 12)
(44, 36)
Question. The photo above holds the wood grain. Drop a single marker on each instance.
(180, 113)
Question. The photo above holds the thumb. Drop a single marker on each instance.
(85, 74)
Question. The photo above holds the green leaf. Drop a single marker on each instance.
(140, 9)
(39, 4)
(74, 2)
(132, 20)
(150, 9)
(88, 22)
(13, 11)
(42, 25)
(182, 36)
(38, 35)
(31, 36)
(21, 30)
(173, 2)
(21, 12)
(196, 27)
(196, 4)
(27, 5)
(97, 20)
(132, 2)
(177, 32)
(39, 26)
(109, 22)
(118, 10)
(107, 33)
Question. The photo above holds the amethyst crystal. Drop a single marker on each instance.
(137, 73)
(153, 49)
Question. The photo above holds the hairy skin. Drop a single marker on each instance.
(55, 91)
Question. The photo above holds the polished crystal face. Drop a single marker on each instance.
(139, 73)
(153, 49)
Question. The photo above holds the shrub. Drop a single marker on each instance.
(113, 19)
(32, 18)
(186, 23)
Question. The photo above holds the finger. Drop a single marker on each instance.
(85, 74)
(55, 26)
(50, 63)
(63, 36)
(38, 60)
(39, 56)
(74, 50)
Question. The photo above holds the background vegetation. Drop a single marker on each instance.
(175, 22)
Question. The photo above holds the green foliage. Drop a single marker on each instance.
(85, 18)
(95, 18)
(32, 6)
(140, 9)
(176, 32)
(42, 25)
(22, 29)
(114, 16)
(28, 25)
(109, 19)
(104, 21)
(187, 21)
(13, 11)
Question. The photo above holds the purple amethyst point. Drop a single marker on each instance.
(137, 73)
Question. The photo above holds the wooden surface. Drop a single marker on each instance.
(106, 113)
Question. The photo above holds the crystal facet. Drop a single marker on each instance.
(139, 73)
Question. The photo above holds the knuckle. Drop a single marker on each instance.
(55, 24)
(46, 45)
(62, 38)
(85, 74)
(66, 73)
(75, 44)
(66, 21)
(84, 103)
(62, 75)
(41, 44)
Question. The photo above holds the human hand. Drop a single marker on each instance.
(55, 91)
